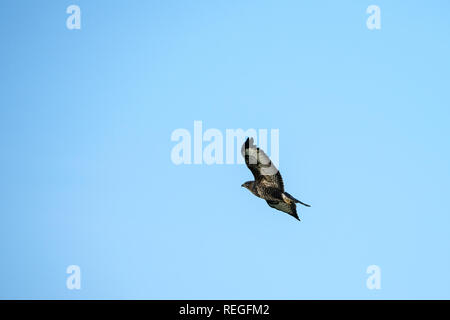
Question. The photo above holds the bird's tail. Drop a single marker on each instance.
(295, 200)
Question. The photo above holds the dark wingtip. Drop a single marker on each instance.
(305, 204)
(248, 144)
(294, 215)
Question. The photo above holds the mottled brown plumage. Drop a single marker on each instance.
(268, 183)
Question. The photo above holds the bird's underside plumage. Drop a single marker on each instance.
(268, 183)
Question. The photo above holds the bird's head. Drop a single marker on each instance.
(248, 185)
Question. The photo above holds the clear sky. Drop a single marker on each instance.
(87, 179)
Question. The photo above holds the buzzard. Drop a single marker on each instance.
(268, 183)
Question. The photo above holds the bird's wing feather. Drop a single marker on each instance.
(261, 166)
(290, 209)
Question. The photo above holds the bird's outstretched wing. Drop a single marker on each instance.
(261, 166)
(290, 209)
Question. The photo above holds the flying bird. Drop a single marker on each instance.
(268, 183)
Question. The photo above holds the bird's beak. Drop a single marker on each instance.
(242, 185)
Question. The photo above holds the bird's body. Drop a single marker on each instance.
(268, 183)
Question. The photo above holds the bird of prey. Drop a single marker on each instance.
(268, 183)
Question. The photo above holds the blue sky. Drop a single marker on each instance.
(87, 179)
